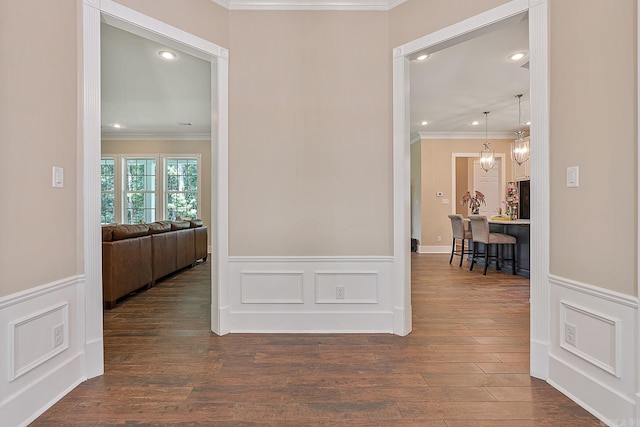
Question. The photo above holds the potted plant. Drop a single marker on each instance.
(474, 202)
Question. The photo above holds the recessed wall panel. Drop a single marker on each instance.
(270, 287)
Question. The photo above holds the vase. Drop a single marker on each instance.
(475, 210)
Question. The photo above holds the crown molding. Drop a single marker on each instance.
(347, 5)
(155, 136)
(465, 135)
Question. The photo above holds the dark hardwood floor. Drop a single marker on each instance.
(466, 363)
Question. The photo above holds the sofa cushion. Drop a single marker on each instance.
(195, 223)
(159, 227)
(128, 231)
(180, 225)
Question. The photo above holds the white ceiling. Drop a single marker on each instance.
(454, 86)
(150, 96)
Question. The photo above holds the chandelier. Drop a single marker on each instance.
(487, 155)
(519, 147)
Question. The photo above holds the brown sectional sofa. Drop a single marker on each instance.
(136, 255)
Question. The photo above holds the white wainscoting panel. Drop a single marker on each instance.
(360, 287)
(592, 351)
(36, 338)
(43, 348)
(272, 287)
(299, 294)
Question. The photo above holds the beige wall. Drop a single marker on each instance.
(38, 124)
(310, 134)
(462, 184)
(437, 159)
(202, 18)
(417, 18)
(174, 147)
(593, 126)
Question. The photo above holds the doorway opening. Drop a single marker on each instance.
(539, 103)
(126, 19)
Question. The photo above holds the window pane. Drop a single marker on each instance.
(107, 184)
(182, 187)
(107, 214)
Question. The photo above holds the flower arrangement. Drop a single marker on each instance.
(474, 202)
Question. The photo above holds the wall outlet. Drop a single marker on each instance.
(570, 334)
(339, 292)
(439, 238)
(58, 336)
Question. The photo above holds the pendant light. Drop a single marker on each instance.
(519, 147)
(487, 155)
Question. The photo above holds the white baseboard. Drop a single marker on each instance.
(592, 348)
(434, 249)
(310, 294)
(36, 372)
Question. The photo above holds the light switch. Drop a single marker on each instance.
(58, 177)
(573, 176)
(445, 201)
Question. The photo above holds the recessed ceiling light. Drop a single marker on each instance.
(528, 123)
(167, 55)
(517, 56)
(475, 123)
(424, 123)
(422, 57)
(116, 125)
(184, 124)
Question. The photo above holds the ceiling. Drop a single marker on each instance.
(151, 97)
(456, 85)
(309, 4)
(155, 98)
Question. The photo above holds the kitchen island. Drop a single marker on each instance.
(518, 228)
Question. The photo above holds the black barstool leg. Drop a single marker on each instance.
(473, 255)
(453, 248)
(462, 252)
(486, 258)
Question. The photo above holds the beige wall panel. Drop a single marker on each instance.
(593, 126)
(310, 134)
(462, 184)
(202, 18)
(416, 18)
(38, 115)
(436, 176)
(174, 147)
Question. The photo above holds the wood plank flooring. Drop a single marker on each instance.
(466, 363)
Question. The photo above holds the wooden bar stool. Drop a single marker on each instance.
(459, 232)
(480, 234)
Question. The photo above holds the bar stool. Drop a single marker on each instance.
(480, 234)
(459, 232)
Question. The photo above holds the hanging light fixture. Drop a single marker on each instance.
(519, 147)
(487, 155)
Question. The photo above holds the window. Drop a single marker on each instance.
(181, 188)
(108, 184)
(140, 190)
(149, 187)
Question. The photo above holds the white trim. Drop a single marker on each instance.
(637, 325)
(346, 5)
(538, 50)
(465, 135)
(38, 291)
(156, 137)
(129, 20)
(595, 291)
(454, 178)
(295, 259)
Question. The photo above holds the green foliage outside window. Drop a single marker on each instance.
(182, 188)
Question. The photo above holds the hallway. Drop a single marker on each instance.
(466, 363)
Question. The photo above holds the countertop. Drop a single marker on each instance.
(510, 222)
